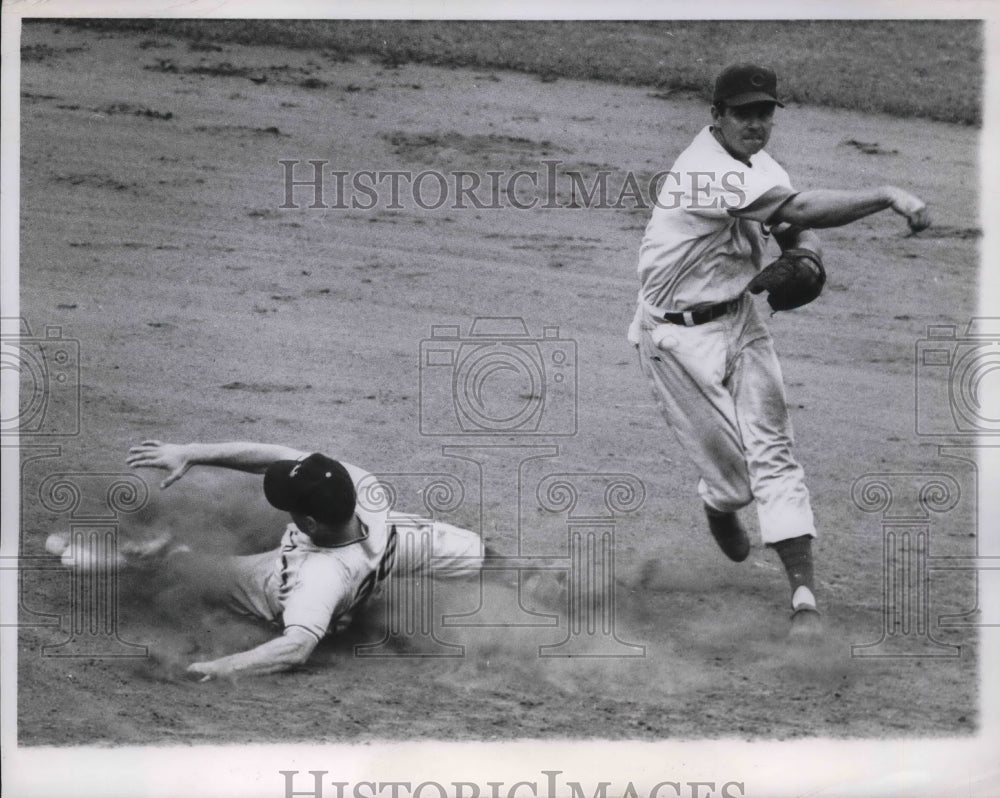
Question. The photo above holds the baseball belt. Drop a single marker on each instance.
(690, 318)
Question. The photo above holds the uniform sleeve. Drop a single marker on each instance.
(322, 594)
(737, 192)
(766, 205)
(709, 183)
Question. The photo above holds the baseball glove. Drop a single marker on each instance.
(792, 280)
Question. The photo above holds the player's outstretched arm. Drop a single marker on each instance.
(288, 651)
(177, 458)
(829, 208)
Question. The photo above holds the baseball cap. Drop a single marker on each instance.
(316, 486)
(742, 84)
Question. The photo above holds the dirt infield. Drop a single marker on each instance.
(157, 233)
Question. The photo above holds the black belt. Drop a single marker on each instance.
(689, 318)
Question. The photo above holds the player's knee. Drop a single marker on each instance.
(459, 552)
(727, 498)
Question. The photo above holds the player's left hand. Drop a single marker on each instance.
(170, 457)
(794, 279)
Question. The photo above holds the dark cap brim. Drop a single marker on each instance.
(752, 97)
(278, 488)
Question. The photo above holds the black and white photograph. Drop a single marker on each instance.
(500, 401)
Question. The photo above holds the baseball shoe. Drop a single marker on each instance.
(729, 534)
(807, 625)
(133, 554)
(57, 543)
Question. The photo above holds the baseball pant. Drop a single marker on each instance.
(249, 584)
(434, 547)
(719, 387)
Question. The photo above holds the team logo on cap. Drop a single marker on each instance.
(758, 80)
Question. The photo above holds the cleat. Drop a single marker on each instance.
(807, 624)
(729, 534)
(56, 544)
(148, 553)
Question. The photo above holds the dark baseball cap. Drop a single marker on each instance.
(742, 84)
(316, 486)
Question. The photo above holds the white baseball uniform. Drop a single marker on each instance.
(718, 383)
(302, 584)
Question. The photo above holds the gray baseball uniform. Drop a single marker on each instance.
(713, 371)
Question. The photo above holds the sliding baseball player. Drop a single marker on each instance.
(334, 553)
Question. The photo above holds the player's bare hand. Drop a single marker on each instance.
(170, 457)
(912, 208)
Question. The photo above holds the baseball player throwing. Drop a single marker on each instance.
(333, 554)
(701, 341)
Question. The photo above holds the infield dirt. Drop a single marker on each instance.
(152, 233)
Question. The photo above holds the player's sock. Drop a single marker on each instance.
(729, 533)
(796, 556)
